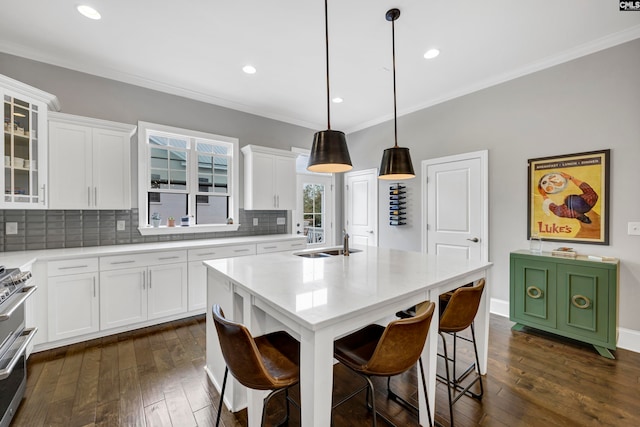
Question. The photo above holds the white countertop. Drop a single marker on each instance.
(314, 291)
(23, 258)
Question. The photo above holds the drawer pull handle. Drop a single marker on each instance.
(580, 301)
(164, 258)
(241, 250)
(270, 247)
(297, 244)
(534, 292)
(122, 262)
(206, 253)
(72, 266)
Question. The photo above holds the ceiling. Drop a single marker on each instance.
(197, 48)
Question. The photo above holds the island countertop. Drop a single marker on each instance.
(317, 291)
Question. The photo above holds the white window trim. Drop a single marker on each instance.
(143, 174)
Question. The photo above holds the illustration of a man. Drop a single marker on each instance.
(575, 205)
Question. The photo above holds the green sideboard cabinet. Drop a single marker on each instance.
(573, 297)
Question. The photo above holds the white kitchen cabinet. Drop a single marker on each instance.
(73, 299)
(89, 163)
(167, 293)
(198, 272)
(269, 178)
(123, 297)
(140, 287)
(24, 146)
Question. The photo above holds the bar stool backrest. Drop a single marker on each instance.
(462, 308)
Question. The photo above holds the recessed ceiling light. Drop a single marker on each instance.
(431, 53)
(337, 100)
(88, 11)
(249, 69)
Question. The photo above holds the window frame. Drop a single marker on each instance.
(144, 170)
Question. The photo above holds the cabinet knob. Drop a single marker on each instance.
(534, 292)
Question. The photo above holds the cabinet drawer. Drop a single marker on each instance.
(72, 266)
(221, 252)
(141, 260)
(263, 248)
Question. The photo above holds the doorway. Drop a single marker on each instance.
(314, 215)
(361, 206)
(455, 211)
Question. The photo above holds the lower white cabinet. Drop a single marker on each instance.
(134, 295)
(73, 305)
(198, 272)
(167, 292)
(123, 297)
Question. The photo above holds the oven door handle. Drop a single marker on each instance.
(26, 293)
(21, 343)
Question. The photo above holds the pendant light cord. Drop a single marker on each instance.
(326, 32)
(393, 50)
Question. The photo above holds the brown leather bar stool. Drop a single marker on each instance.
(377, 351)
(267, 362)
(457, 315)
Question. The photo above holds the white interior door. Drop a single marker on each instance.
(455, 210)
(361, 206)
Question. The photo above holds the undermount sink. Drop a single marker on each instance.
(324, 253)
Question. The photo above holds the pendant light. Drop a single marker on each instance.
(329, 152)
(396, 161)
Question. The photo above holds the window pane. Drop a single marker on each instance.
(159, 178)
(167, 204)
(178, 180)
(212, 209)
(168, 141)
(221, 185)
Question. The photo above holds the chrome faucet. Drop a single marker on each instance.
(345, 245)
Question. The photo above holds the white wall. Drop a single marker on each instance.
(591, 103)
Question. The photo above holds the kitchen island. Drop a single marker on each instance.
(319, 299)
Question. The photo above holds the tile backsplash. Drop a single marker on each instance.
(54, 229)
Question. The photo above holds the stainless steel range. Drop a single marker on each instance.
(15, 288)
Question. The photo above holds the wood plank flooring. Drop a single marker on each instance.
(155, 377)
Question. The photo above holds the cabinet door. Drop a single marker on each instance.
(123, 297)
(583, 302)
(263, 192)
(70, 164)
(197, 293)
(73, 305)
(533, 292)
(24, 149)
(167, 290)
(285, 183)
(111, 170)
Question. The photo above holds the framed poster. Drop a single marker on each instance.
(569, 198)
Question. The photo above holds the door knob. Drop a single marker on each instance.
(370, 231)
(475, 240)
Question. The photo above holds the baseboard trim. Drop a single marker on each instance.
(628, 339)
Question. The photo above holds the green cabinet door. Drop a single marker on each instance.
(533, 292)
(583, 303)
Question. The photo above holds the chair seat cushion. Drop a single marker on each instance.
(356, 349)
(280, 353)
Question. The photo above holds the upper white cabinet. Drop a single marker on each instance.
(269, 178)
(89, 163)
(25, 144)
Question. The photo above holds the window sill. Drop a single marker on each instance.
(155, 231)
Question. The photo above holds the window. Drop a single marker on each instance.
(186, 174)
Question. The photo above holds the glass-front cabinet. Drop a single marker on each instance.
(24, 146)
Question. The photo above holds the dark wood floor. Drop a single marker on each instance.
(155, 377)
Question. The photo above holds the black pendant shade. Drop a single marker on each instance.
(329, 152)
(396, 161)
(396, 164)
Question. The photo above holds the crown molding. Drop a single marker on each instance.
(34, 93)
